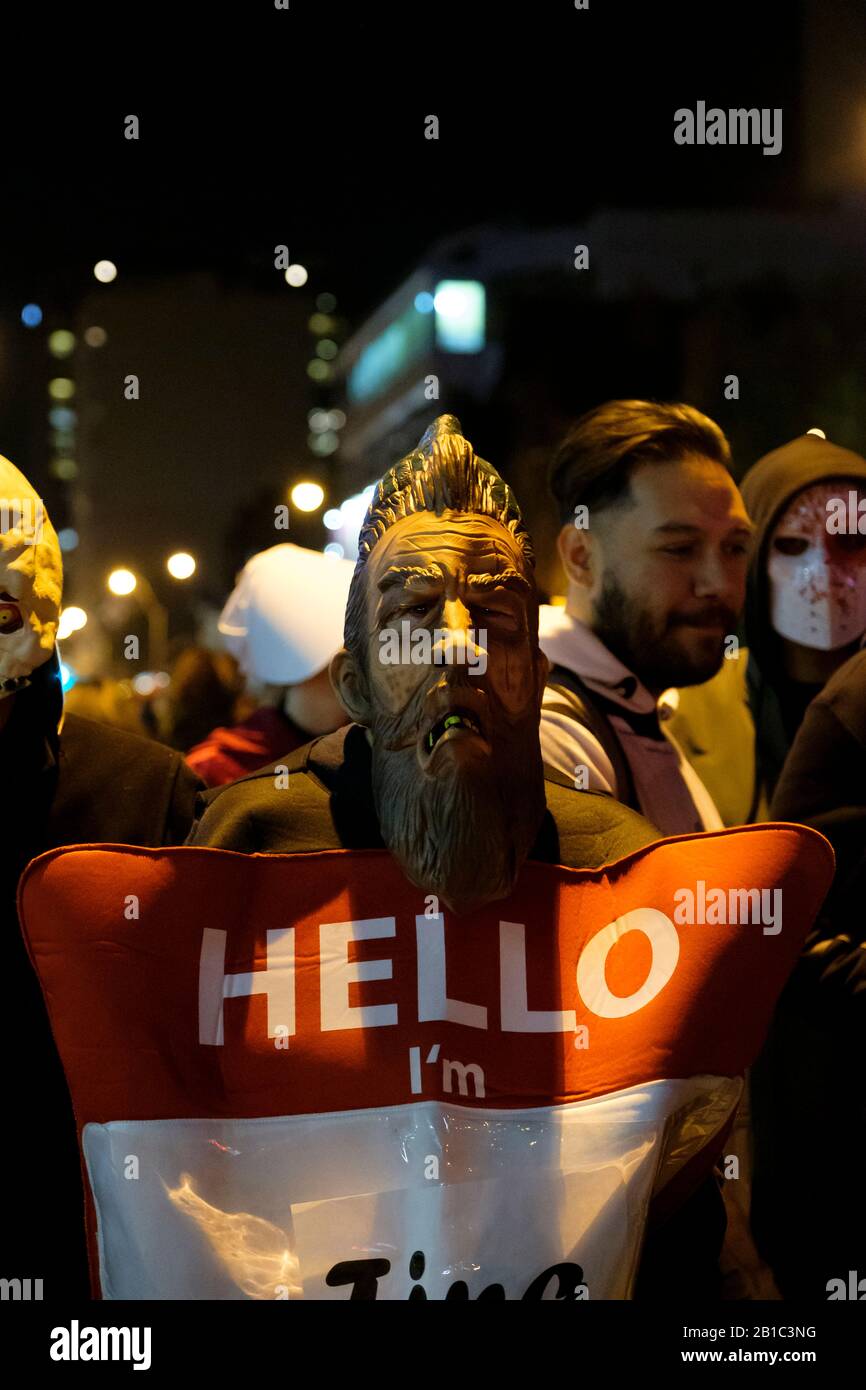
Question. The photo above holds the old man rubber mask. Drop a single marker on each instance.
(442, 665)
(31, 581)
(817, 573)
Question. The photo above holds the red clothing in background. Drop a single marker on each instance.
(227, 754)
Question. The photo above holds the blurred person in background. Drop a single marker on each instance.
(283, 622)
(203, 691)
(108, 702)
(68, 780)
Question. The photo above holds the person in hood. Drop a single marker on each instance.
(654, 542)
(805, 614)
(283, 622)
(68, 780)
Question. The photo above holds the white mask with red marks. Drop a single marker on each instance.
(817, 578)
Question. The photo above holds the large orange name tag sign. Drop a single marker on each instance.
(294, 1076)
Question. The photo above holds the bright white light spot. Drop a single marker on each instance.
(460, 315)
(181, 565)
(105, 272)
(820, 433)
(307, 497)
(296, 275)
(71, 620)
(334, 548)
(333, 518)
(122, 582)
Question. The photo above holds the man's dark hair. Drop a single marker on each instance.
(443, 473)
(594, 463)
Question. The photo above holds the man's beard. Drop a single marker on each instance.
(651, 650)
(463, 833)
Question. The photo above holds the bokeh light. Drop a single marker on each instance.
(71, 620)
(307, 497)
(296, 275)
(61, 343)
(61, 388)
(122, 582)
(31, 315)
(105, 272)
(181, 565)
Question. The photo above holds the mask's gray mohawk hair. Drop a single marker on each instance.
(442, 473)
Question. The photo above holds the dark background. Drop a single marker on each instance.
(306, 127)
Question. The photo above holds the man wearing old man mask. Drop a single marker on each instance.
(442, 674)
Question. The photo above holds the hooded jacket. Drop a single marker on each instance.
(767, 489)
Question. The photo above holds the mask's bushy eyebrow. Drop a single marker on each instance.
(402, 574)
(507, 578)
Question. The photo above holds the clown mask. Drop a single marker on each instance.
(31, 581)
(817, 578)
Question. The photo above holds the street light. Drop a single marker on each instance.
(308, 497)
(71, 620)
(123, 582)
(181, 565)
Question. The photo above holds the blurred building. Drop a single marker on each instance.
(198, 462)
(501, 328)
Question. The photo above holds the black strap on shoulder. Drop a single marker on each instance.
(579, 704)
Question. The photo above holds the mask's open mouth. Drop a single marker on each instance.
(452, 726)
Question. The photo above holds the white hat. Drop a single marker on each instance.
(284, 619)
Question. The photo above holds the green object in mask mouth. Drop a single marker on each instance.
(450, 721)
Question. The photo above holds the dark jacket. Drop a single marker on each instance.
(329, 805)
(808, 1214)
(777, 703)
(86, 783)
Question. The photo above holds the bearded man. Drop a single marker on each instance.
(654, 542)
